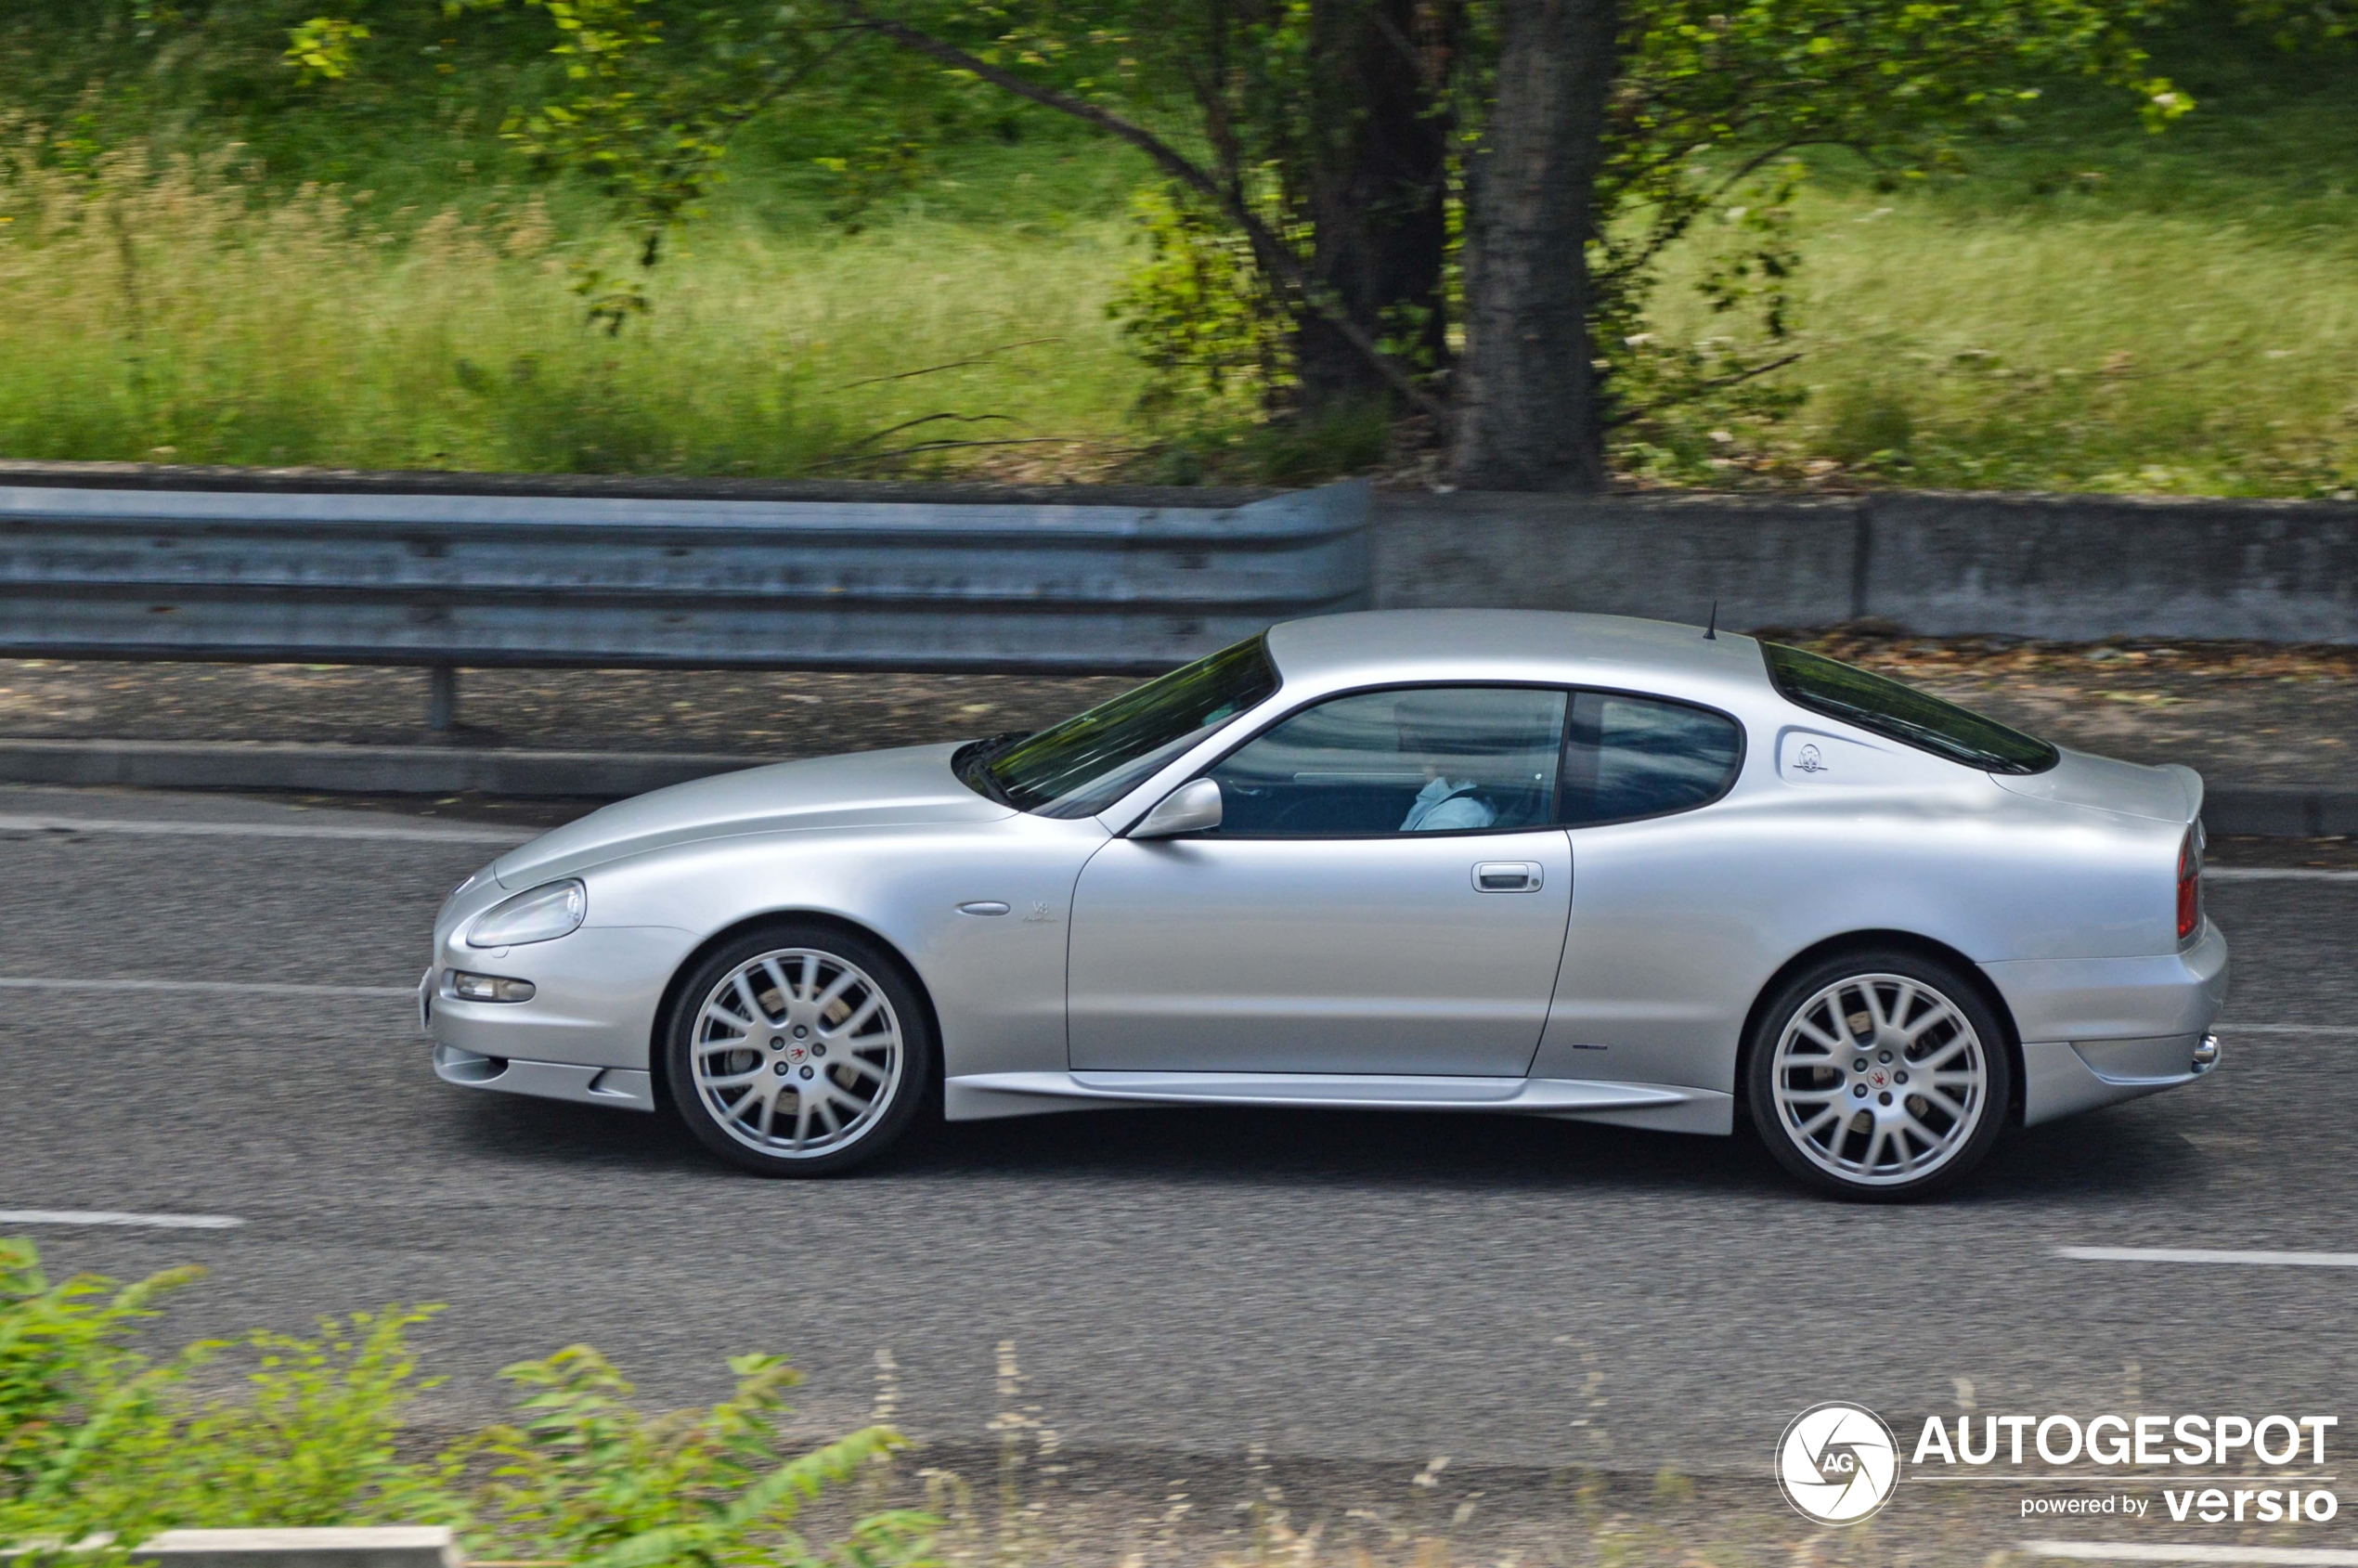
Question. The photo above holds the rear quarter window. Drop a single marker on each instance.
(1899, 712)
(1628, 756)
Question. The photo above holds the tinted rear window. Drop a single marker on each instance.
(1917, 718)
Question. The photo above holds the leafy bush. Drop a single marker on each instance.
(586, 1477)
(68, 1383)
(98, 1439)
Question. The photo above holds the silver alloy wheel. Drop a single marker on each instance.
(796, 1053)
(1880, 1080)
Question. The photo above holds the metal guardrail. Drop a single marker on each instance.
(448, 581)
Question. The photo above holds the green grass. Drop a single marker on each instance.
(157, 316)
(2091, 308)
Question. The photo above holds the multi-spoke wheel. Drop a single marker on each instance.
(1879, 1075)
(798, 1051)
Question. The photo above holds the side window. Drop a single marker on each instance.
(1639, 757)
(1430, 759)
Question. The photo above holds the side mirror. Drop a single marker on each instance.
(1192, 808)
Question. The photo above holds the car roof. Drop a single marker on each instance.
(1381, 647)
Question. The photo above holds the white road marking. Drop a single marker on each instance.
(2208, 1255)
(110, 1217)
(2098, 1552)
(231, 988)
(2276, 873)
(166, 827)
(2288, 1029)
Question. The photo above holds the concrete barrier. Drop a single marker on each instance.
(2080, 567)
(2073, 567)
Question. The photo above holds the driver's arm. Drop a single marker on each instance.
(1457, 814)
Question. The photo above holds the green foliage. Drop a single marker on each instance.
(1196, 446)
(313, 1442)
(321, 49)
(68, 1382)
(97, 1439)
(1198, 311)
(585, 1477)
(2302, 24)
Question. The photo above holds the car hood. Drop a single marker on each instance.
(909, 785)
(2171, 792)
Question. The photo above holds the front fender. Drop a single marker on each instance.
(996, 979)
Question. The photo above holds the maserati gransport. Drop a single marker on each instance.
(1432, 862)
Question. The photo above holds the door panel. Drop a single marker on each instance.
(1365, 955)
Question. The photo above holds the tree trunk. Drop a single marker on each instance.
(1528, 417)
(1377, 167)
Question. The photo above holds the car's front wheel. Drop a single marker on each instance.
(1879, 1075)
(798, 1050)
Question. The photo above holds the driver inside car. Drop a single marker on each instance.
(1444, 805)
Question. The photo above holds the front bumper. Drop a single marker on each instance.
(623, 1086)
(586, 1034)
(2099, 1030)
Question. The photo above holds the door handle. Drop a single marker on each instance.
(1506, 876)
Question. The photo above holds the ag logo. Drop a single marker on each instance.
(1838, 1463)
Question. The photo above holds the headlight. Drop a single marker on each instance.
(541, 916)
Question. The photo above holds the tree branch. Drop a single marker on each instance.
(1700, 389)
(1269, 250)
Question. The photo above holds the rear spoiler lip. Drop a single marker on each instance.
(2191, 781)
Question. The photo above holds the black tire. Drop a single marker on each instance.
(872, 1115)
(1883, 1086)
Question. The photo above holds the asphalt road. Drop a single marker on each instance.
(1349, 1288)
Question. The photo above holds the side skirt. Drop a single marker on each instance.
(981, 1096)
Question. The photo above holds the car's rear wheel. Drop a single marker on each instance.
(1879, 1075)
(798, 1050)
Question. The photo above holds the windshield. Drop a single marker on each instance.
(1084, 765)
(1918, 719)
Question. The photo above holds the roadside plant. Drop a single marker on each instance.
(102, 1445)
(68, 1380)
(103, 1440)
(584, 1477)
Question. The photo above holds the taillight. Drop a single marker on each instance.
(2190, 882)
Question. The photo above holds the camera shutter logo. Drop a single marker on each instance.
(1838, 1463)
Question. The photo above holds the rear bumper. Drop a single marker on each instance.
(2098, 1031)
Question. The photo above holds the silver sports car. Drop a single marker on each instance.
(1440, 861)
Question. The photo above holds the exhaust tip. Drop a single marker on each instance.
(2207, 1053)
